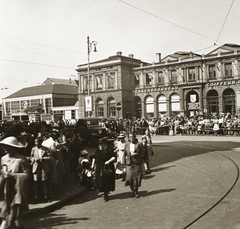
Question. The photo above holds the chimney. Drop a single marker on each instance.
(158, 55)
(130, 55)
(119, 53)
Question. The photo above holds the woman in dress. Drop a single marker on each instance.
(133, 162)
(120, 144)
(104, 157)
(149, 155)
(14, 178)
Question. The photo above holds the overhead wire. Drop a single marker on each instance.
(224, 21)
(182, 27)
(26, 62)
(206, 47)
(37, 53)
(35, 43)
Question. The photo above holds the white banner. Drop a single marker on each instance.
(88, 103)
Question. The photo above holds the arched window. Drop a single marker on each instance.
(175, 103)
(162, 104)
(229, 101)
(112, 107)
(99, 108)
(149, 107)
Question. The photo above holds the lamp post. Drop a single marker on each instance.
(90, 45)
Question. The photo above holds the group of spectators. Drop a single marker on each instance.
(215, 124)
(47, 152)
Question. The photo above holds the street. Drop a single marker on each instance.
(188, 178)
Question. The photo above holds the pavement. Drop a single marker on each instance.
(67, 192)
(71, 190)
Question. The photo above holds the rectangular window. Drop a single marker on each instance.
(35, 102)
(160, 78)
(73, 114)
(174, 78)
(99, 79)
(48, 105)
(110, 77)
(228, 70)
(112, 110)
(8, 109)
(192, 74)
(212, 72)
(15, 106)
(100, 112)
(85, 83)
(149, 79)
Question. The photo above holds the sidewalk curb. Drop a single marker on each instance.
(52, 207)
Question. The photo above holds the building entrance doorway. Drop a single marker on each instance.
(229, 101)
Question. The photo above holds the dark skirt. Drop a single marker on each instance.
(134, 172)
(105, 183)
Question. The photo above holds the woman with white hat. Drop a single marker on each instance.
(14, 178)
(120, 145)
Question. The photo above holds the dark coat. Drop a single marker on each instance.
(103, 183)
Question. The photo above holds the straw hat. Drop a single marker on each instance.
(121, 136)
(11, 141)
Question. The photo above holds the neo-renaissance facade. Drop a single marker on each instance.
(183, 83)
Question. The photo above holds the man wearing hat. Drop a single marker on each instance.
(14, 178)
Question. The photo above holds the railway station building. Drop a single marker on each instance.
(184, 83)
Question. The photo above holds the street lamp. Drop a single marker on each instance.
(90, 45)
(88, 100)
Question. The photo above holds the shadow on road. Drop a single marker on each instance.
(53, 220)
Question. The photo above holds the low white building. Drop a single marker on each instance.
(54, 99)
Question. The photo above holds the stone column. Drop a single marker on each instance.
(143, 109)
(115, 81)
(92, 88)
(182, 101)
(104, 82)
(141, 80)
(237, 91)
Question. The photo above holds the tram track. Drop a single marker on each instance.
(222, 198)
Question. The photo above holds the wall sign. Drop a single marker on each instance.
(223, 83)
(156, 89)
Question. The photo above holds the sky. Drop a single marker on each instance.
(48, 38)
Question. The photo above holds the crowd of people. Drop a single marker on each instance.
(36, 157)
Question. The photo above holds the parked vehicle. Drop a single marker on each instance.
(90, 130)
